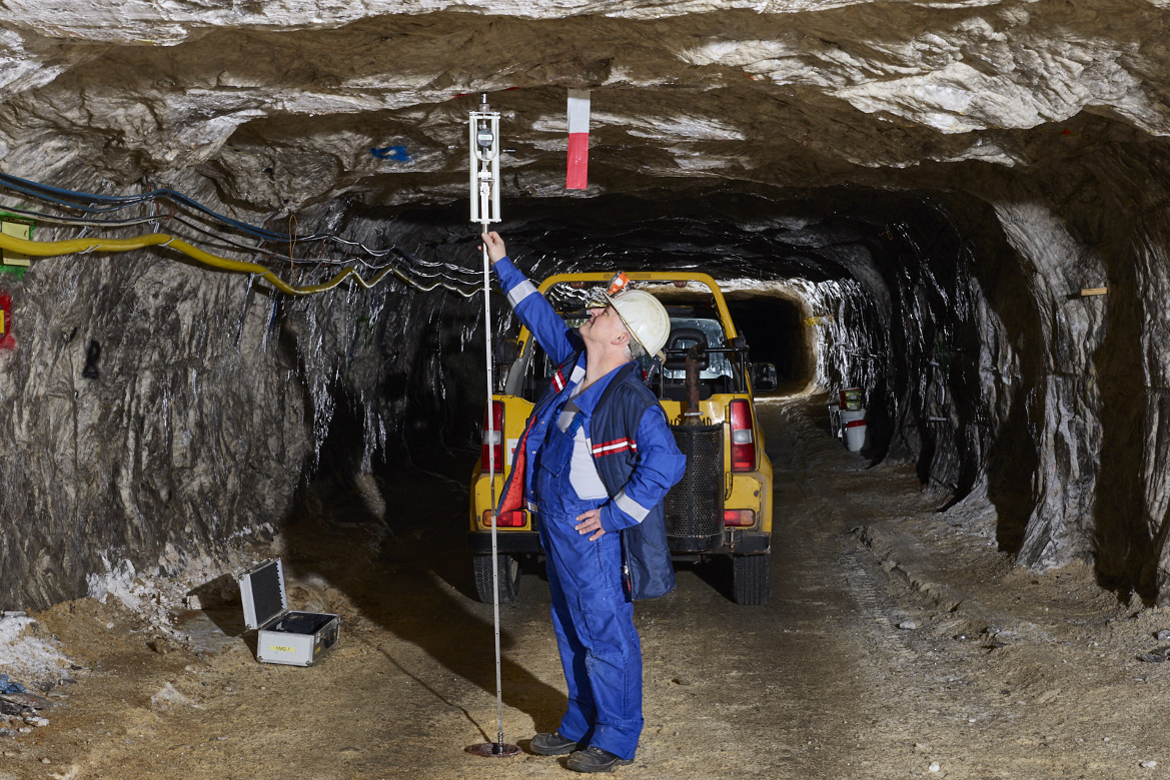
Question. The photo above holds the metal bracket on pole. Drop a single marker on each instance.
(484, 128)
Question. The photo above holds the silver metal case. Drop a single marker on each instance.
(284, 637)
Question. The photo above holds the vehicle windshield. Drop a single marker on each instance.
(690, 304)
(718, 364)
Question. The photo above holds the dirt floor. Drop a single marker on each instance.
(995, 672)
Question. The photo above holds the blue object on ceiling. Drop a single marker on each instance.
(391, 153)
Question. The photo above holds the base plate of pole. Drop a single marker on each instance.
(494, 750)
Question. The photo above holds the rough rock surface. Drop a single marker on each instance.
(939, 179)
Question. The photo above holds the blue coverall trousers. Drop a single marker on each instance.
(592, 618)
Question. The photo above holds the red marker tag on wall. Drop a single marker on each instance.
(577, 175)
(7, 341)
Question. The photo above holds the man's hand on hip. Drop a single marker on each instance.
(590, 521)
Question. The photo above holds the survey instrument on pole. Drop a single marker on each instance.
(484, 131)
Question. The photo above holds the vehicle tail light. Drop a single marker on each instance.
(514, 519)
(739, 518)
(493, 441)
(743, 440)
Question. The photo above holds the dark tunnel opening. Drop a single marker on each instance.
(776, 333)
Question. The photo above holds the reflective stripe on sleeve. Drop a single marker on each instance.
(520, 292)
(615, 446)
(630, 506)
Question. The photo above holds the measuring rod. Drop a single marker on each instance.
(484, 130)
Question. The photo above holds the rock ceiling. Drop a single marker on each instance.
(281, 102)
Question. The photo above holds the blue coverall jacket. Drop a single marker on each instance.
(565, 469)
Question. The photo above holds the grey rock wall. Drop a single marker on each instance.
(181, 433)
(207, 406)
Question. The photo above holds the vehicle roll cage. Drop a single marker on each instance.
(737, 349)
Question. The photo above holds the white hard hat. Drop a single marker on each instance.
(644, 317)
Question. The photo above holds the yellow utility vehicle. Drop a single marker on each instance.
(722, 506)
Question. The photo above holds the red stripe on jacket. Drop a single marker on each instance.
(615, 446)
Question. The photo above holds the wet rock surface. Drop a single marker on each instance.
(285, 100)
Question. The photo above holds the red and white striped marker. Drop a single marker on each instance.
(577, 177)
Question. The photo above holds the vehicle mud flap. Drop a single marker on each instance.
(647, 569)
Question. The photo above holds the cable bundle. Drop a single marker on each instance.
(425, 276)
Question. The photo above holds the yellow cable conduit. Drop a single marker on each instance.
(86, 245)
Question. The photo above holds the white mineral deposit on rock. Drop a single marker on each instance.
(934, 767)
(907, 625)
(1148, 764)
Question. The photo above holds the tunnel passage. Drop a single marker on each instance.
(915, 297)
(919, 298)
(953, 313)
(776, 331)
(893, 288)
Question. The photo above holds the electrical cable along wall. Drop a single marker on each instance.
(424, 276)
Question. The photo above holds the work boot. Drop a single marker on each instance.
(594, 759)
(552, 744)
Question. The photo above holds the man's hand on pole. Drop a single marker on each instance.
(495, 246)
(590, 521)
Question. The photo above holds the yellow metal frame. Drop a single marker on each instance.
(665, 277)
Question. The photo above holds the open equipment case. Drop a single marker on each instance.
(284, 637)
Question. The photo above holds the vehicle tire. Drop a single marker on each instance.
(509, 578)
(751, 582)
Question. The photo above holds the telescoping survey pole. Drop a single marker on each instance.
(484, 127)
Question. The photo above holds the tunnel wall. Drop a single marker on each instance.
(1115, 204)
(987, 374)
(1075, 397)
(179, 434)
(959, 309)
(1055, 405)
(1052, 431)
(207, 409)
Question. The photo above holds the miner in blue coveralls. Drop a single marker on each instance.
(595, 462)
